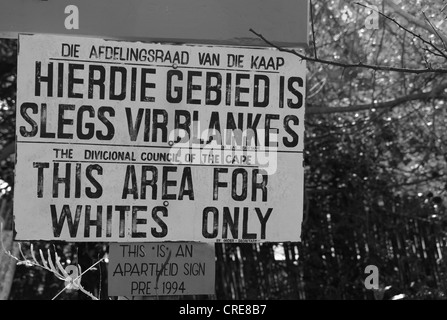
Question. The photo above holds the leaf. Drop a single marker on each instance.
(21, 252)
(80, 272)
(32, 254)
(77, 280)
(59, 265)
(43, 260)
(50, 262)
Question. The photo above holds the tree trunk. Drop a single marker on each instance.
(7, 264)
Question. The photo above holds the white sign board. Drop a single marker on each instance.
(131, 141)
(155, 269)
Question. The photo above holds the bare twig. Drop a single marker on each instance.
(313, 30)
(434, 50)
(429, 43)
(55, 268)
(436, 31)
(348, 65)
(437, 93)
(414, 20)
(78, 278)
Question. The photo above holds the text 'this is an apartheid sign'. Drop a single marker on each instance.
(159, 269)
(140, 142)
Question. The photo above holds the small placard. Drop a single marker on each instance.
(161, 269)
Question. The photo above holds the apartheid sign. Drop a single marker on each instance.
(161, 269)
(130, 141)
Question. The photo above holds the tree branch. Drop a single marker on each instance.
(428, 43)
(313, 30)
(436, 31)
(437, 93)
(415, 21)
(348, 65)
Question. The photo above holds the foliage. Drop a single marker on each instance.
(375, 176)
(8, 70)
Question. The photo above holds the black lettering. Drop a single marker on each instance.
(216, 183)
(152, 182)
(122, 216)
(259, 185)
(159, 125)
(193, 87)
(145, 85)
(185, 125)
(245, 233)
(256, 98)
(267, 128)
(297, 94)
(39, 79)
(168, 183)
(186, 180)
(252, 132)
(216, 89)
(40, 166)
(43, 123)
(295, 139)
(263, 220)
(228, 221)
(88, 191)
(205, 217)
(93, 223)
(72, 80)
(130, 175)
(136, 222)
(134, 128)
(160, 222)
(240, 90)
(90, 126)
(96, 82)
(113, 71)
(243, 195)
(61, 180)
(23, 112)
(178, 90)
(110, 133)
(60, 80)
(62, 121)
(65, 214)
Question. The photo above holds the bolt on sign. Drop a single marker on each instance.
(123, 141)
(284, 22)
(160, 269)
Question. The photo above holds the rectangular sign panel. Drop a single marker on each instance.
(155, 269)
(131, 141)
(284, 22)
